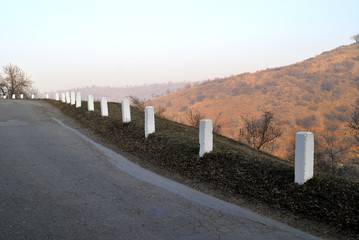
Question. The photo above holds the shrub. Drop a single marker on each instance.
(307, 97)
(300, 103)
(182, 109)
(342, 108)
(306, 122)
(331, 126)
(235, 91)
(313, 107)
(199, 98)
(342, 66)
(356, 38)
(284, 122)
(332, 116)
(318, 99)
(327, 86)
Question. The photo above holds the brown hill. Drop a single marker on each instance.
(317, 95)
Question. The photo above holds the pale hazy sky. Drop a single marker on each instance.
(64, 44)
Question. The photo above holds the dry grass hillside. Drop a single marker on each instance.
(317, 95)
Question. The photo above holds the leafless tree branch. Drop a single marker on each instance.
(138, 102)
(15, 81)
(261, 132)
(194, 117)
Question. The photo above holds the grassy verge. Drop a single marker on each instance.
(233, 169)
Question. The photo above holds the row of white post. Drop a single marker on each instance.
(75, 99)
(304, 141)
(21, 96)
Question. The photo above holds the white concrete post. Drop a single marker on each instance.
(73, 98)
(68, 100)
(47, 96)
(205, 136)
(126, 111)
(149, 120)
(78, 99)
(4, 97)
(57, 97)
(104, 108)
(304, 157)
(22, 96)
(32, 96)
(63, 97)
(13, 96)
(90, 106)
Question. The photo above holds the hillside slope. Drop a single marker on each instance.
(316, 94)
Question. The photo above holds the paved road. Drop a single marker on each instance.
(56, 183)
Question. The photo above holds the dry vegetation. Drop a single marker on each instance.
(315, 95)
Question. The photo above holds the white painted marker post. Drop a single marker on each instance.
(63, 97)
(57, 97)
(126, 111)
(13, 96)
(104, 108)
(205, 136)
(304, 157)
(149, 120)
(68, 100)
(22, 96)
(78, 99)
(47, 96)
(90, 106)
(32, 96)
(73, 98)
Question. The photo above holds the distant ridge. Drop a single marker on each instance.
(118, 93)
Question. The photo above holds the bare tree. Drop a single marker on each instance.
(3, 88)
(160, 111)
(356, 38)
(260, 133)
(217, 124)
(138, 102)
(194, 117)
(353, 124)
(15, 81)
(334, 150)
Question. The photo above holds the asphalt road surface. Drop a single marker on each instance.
(57, 183)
